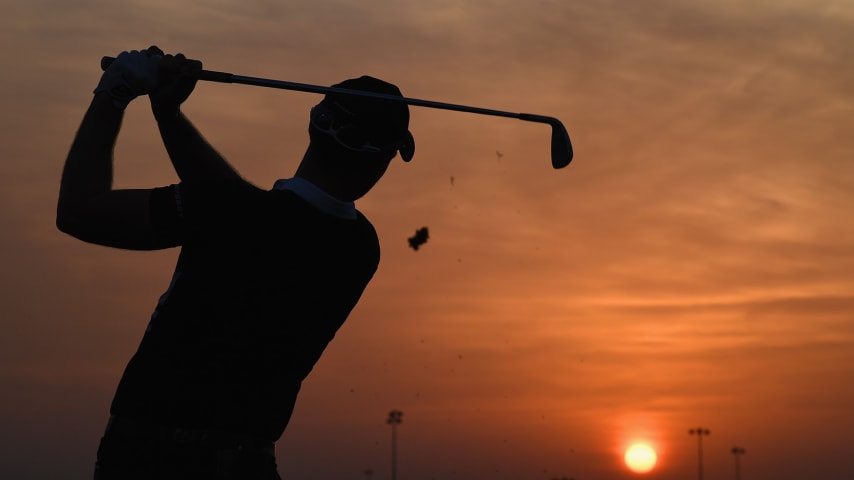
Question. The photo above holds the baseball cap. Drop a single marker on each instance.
(358, 122)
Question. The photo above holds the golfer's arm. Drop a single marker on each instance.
(192, 156)
(88, 208)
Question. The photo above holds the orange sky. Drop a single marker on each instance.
(691, 268)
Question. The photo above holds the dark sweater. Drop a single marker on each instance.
(262, 283)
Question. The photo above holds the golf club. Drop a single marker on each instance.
(561, 146)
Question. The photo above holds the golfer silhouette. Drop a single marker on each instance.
(264, 278)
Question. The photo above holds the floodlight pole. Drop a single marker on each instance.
(700, 432)
(395, 417)
(738, 452)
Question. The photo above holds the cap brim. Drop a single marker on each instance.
(407, 150)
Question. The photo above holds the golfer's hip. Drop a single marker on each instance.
(134, 449)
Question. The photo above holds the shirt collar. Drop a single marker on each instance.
(321, 200)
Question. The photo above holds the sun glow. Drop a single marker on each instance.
(640, 458)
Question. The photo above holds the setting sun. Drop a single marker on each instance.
(640, 458)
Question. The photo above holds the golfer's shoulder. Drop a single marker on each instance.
(220, 192)
(363, 223)
(219, 188)
(367, 232)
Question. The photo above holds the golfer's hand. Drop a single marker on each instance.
(177, 77)
(132, 74)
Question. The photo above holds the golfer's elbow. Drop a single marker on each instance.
(67, 221)
(82, 226)
(71, 219)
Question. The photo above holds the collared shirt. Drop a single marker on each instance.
(312, 194)
(264, 280)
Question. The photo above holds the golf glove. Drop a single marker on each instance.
(177, 77)
(132, 74)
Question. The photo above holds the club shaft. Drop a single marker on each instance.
(223, 77)
(561, 149)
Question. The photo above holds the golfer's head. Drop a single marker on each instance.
(361, 126)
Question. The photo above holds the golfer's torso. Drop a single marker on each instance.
(259, 290)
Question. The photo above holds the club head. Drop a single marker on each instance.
(561, 145)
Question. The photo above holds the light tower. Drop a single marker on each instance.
(738, 452)
(395, 417)
(699, 432)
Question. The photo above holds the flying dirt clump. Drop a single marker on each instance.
(420, 238)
